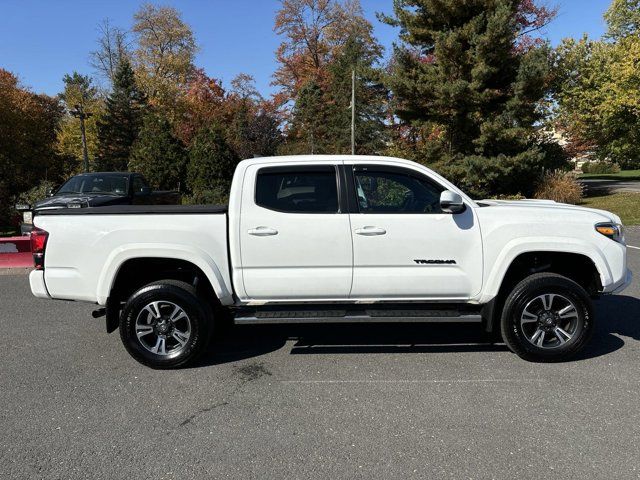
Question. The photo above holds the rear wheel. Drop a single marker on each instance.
(547, 317)
(165, 324)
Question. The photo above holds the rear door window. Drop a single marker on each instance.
(298, 190)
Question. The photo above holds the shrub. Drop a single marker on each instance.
(515, 196)
(39, 192)
(560, 186)
(600, 167)
(214, 196)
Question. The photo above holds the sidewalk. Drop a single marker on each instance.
(15, 252)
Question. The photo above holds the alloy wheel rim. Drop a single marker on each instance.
(549, 320)
(163, 328)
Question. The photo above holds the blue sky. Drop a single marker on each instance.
(41, 40)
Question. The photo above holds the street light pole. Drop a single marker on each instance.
(353, 112)
(78, 112)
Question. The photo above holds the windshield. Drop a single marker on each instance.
(110, 184)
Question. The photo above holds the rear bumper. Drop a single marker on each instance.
(38, 287)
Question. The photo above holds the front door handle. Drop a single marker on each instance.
(262, 231)
(370, 231)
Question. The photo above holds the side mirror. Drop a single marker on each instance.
(49, 192)
(451, 202)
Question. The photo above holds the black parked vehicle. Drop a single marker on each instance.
(99, 190)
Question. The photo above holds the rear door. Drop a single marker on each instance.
(404, 245)
(295, 239)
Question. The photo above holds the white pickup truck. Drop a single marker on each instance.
(334, 239)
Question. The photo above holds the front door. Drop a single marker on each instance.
(404, 245)
(295, 242)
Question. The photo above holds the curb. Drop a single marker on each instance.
(15, 252)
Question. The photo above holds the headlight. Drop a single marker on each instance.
(614, 231)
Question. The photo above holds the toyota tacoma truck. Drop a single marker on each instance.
(313, 239)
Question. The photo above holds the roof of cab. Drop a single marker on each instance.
(320, 158)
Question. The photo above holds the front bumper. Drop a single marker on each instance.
(626, 281)
(38, 287)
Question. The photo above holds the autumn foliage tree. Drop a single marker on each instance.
(164, 55)
(28, 127)
(597, 88)
(79, 91)
(323, 41)
(113, 47)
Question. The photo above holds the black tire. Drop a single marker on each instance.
(169, 294)
(521, 337)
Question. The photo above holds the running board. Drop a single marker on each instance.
(356, 315)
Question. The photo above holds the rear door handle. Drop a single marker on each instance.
(370, 231)
(262, 231)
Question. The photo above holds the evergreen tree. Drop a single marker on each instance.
(371, 99)
(308, 129)
(461, 81)
(254, 130)
(118, 128)
(211, 165)
(157, 154)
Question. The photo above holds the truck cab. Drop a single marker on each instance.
(351, 229)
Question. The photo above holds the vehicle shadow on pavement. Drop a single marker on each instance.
(247, 341)
(616, 315)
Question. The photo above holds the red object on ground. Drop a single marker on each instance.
(16, 260)
(15, 252)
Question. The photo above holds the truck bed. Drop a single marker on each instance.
(88, 246)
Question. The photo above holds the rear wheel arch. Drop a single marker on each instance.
(135, 273)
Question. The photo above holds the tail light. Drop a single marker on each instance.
(38, 245)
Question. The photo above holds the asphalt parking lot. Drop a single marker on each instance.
(382, 401)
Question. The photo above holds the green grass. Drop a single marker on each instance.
(624, 204)
(622, 175)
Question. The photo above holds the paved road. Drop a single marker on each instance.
(314, 402)
(611, 186)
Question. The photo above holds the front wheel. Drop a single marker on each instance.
(165, 324)
(546, 318)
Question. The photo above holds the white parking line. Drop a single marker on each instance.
(631, 246)
(474, 380)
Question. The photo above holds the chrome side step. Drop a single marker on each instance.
(356, 315)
